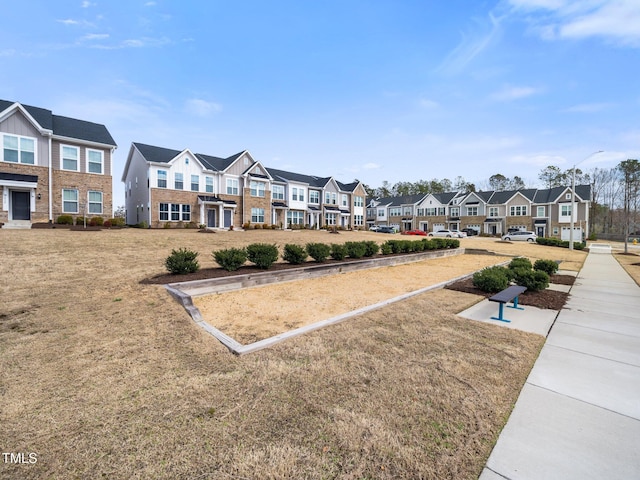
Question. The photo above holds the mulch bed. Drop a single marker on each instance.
(547, 299)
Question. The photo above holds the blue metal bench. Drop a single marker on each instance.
(509, 294)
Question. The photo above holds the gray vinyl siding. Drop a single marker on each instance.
(139, 195)
(17, 124)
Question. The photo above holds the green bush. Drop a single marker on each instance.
(548, 266)
(452, 242)
(355, 249)
(230, 259)
(386, 249)
(372, 248)
(96, 222)
(81, 220)
(64, 220)
(294, 254)
(182, 261)
(491, 279)
(520, 262)
(338, 251)
(262, 254)
(534, 280)
(318, 251)
(117, 222)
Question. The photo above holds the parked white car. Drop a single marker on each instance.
(520, 236)
(445, 233)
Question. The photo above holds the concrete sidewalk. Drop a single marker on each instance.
(578, 415)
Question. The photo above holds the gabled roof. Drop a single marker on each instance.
(285, 176)
(445, 198)
(216, 163)
(552, 195)
(64, 126)
(155, 154)
(348, 187)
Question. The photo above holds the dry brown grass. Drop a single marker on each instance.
(104, 377)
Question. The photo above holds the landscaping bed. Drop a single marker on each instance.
(547, 299)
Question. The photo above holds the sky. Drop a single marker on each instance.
(374, 90)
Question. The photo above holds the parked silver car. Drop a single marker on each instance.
(445, 233)
(520, 236)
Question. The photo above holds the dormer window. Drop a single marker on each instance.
(186, 161)
(567, 196)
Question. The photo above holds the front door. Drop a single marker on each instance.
(211, 218)
(540, 231)
(21, 205)
(227, 218)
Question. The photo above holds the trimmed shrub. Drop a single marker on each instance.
(355, 249)
(452, 242)
(64, 220)
(372, 248)
(338, 251)
(182, 261)
(548, 266)
(81, 220)
(230, 259)
(318, 251)
(96, 222)
(107, 224)
(117, 222)
(491, 279)
(386, 249)
(262, 254)
(534, 280)
(294, 254)
(520, 262)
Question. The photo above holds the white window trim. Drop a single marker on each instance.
(62, 147)
(20, 137)
(101, 203)
(237, 186)
(166, 178)
(77, 200)
(88, 150)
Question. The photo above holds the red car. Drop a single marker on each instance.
(415, 232)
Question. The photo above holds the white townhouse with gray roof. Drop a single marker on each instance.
(52, 165)
(167, 188)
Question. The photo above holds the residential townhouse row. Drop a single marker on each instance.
(52, 165)
(165, 186)
(547, 212)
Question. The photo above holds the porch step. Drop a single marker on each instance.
(17, 224)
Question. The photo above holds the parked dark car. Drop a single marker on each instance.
(385, 229)
(470, 231)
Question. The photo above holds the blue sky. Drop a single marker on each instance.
(376, 90)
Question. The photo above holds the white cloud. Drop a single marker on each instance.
(428, 103)
(371, 166)
(514, 93)
(96, 36)
(87, 4)
(150, 4)
(7, 53)
(202, 108)
(69, 21)
(587, 108)
(616, 21)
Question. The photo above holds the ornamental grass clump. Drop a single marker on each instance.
(182, 261)
(264, 255)
(230, 259)
(294, 254)
(318, 251)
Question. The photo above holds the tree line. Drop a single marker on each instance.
(615, 192)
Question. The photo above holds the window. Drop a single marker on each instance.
(358, 201)
(70, 158)
(565, 210)
(162, 179)
(95, 202)
(175, 212)
(358, 221)
(327, 197)
(70, 201)
(277, 192)
(395, 212)
(330, 219)
(257, 215)
(295, 217)
(314, 196)
(297, 194)
(407, 211)
(19, 149)
(344, 200)
(431, 212)
(454, 212)
(208, 182)
(164, 212)
(493, 211)
(257, 188)
(517, 210)
(179, 181)
(442, 210)
(334, 198)
(232, 186)
(381, 212)
(95, 161)
(195, 183)
(472, 211)
(540, 212)
(186, 213)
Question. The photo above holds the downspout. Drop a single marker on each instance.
(50, 181)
